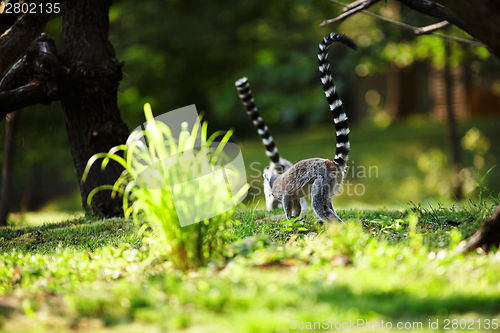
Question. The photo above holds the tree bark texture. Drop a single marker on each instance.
(21, 35)
(89, 97)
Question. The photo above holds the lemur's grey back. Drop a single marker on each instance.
(333, 99)
(248, 102)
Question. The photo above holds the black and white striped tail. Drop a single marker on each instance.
(246, 98)
(333, 99)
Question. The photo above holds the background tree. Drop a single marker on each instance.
(181, 52)
(84, 77)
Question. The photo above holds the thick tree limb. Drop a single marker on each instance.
(17, 75)
(410, 27)
(33, 79)
(431, 28)
(436, 10)
(35, 92)
(6, 20)
(18, 38)
(482, 19)
(43, 59)
(353, 9)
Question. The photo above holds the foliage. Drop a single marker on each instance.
(154, 162)
(193, 51)
(439, 177)
(392, 152)
(364, 269)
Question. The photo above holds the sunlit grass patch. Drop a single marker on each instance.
(391, 265)
(81, 234)
(42, 217)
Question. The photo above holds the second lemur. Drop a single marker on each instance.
(278, 164)
(323, 175)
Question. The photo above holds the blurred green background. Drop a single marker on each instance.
(185, 52)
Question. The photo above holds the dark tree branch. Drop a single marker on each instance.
(351, 11)
(15, 41)
(43, 59)
(352, 5)
(35, 92)
(436, 10)
(482, 19)
(410, 27)
(33, 79)
(7, 20)
(431, 28)
(17, 75)
(87, 90)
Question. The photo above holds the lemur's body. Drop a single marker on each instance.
(278, 164)
(323, 175)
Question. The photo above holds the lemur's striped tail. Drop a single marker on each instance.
(333, 99)
(246, 98)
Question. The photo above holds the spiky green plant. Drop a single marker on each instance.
(157, 167)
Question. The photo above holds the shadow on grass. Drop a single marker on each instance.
(398, 304)
(311, 302)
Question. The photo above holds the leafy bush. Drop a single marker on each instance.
(153, 159)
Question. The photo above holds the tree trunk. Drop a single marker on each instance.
(453, 140)
(89, 97)
(10, 125)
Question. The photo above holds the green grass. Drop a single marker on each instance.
(78, 234)
(88, 274)
(97, 275)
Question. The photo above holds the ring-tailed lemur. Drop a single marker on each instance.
(324, 176)
(277, 165)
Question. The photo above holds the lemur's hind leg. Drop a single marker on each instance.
(321, 200)
(296, 208)
(332, 190)
(288, 205)
(330, 205)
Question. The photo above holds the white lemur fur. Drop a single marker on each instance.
(278, 164)
(324, 176)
